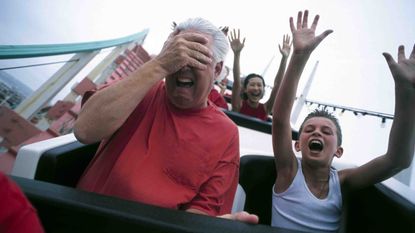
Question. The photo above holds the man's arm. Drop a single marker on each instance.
(17, 215)
(304, 41)
(221, 187)
(402, 135)
(215, 195)
(108, 109)
(237, 47)
(285, 52)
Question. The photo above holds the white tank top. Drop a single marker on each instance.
(298, 209)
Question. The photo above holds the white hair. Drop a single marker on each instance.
(223, 73)
(220, 45)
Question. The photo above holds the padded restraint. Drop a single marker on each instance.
(257, 176)
(65, 164)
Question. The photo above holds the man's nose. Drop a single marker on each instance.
(185, 69)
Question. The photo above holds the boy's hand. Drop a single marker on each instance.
(402, 71)
(304, 38)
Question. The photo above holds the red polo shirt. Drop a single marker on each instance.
(16, 213)
(169, 157)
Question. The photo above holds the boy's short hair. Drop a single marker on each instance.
(324, 113)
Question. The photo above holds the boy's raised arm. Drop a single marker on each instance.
(401, 144)
(304, 41)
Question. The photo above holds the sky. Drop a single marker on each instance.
(351, 72)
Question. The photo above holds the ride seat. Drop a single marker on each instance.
(61, 160)
(256, 178)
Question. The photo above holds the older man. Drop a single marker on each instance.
(165, 143)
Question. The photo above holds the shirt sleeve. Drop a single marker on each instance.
(216, 195)
(218, 99)
(16, 213)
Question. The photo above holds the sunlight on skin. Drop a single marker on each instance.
(242, 216)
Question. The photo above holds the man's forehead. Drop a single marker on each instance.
(192, 30)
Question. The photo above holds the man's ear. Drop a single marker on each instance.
(218, 69)
(339, 152)
(297, 146)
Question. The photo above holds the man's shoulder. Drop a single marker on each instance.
(223, 118)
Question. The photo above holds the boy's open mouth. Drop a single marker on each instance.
(315, 145)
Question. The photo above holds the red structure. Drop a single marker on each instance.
(17, 131)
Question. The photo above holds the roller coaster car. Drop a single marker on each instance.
(48, 171)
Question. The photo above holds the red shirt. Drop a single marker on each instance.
(16, 213)
(218, 99)
(169, 157)
(258, 112)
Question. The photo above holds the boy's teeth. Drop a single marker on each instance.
(316, 145)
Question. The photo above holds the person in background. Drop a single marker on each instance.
(215, 96)
(222, 82)
(308, 192)
(218, 97)
(17, 215)
(254, 85)
(159, 139)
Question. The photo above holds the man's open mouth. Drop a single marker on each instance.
(184, 83)
(315, 145)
